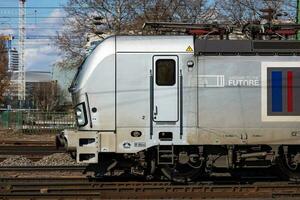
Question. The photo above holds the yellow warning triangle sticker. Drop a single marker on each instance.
(189, 49)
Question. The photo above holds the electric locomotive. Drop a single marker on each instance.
(184, 106)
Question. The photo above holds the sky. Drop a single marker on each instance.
(44, 18)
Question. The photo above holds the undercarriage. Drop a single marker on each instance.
(191, 163)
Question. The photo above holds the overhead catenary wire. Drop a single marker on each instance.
(29, 28)
(45, 7)
(33, 17)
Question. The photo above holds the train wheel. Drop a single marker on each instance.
(182, 173)
(288, 163)
(188, 163)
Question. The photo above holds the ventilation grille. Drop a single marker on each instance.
(278, 45)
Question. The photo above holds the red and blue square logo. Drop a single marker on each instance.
(283, 91)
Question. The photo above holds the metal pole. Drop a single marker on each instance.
(21, 69)
(298, 18)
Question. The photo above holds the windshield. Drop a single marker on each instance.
(74, 82)
(94, 44)
(80, 68)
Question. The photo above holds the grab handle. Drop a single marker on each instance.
(155, 111)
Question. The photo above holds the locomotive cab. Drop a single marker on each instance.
(121, 69)
(95, 78)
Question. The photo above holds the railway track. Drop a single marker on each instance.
(42, 168)
(33, 150)
(26, 143)
(66, 188)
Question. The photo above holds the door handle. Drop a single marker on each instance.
(155, 111)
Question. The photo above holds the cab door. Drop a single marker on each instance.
(165, 89)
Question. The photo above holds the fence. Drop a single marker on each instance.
(34, 121)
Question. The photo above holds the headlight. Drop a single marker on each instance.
(80, 121)
(81, 115)
(78, 112)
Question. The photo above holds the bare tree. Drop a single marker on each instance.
(45, 95)
(4, 78)
(115, 15)
(121, 17)
(242, 11)
(188, 11)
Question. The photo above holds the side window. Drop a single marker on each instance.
(165, 72)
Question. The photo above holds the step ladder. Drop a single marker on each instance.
(165, 155)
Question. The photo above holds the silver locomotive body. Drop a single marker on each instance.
(135, 93)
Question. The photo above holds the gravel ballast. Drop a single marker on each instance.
(57, 159)
(16, 161)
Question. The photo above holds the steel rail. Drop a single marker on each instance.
(26, 143)
(34, 150)
(28, 149)
(33, 153)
